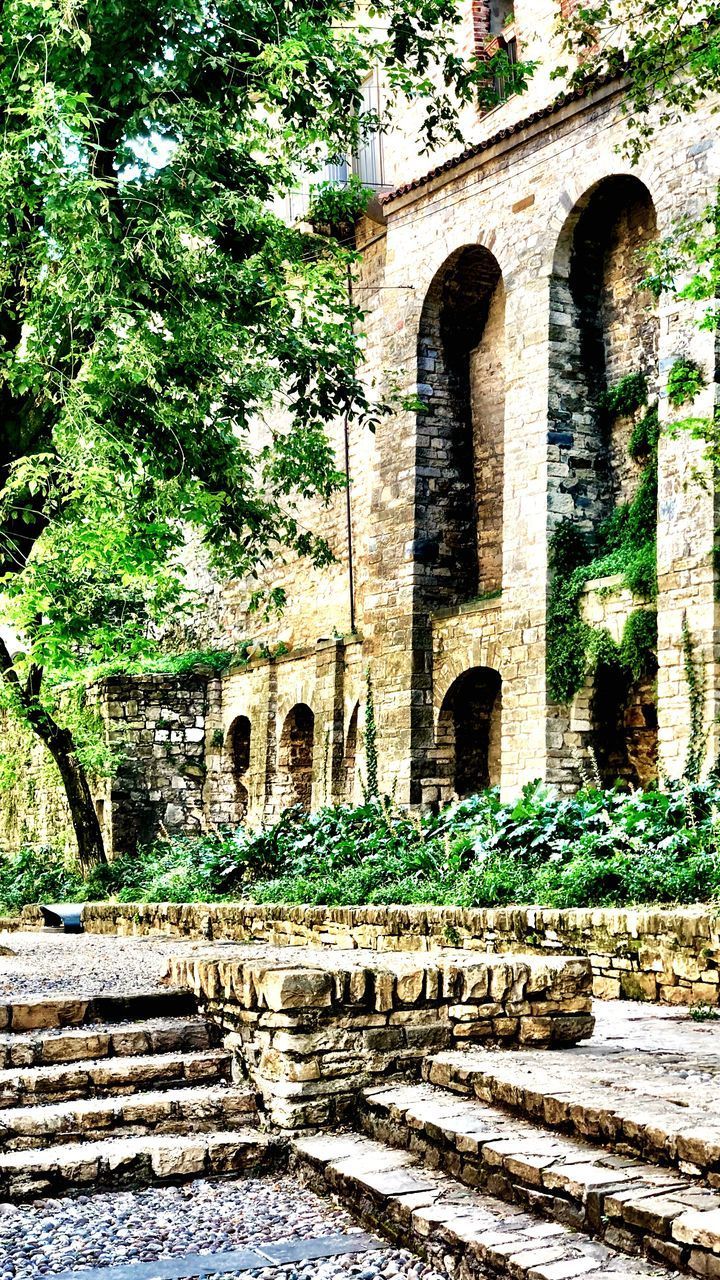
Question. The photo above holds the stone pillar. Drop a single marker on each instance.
(687, 523)
(400, 672)
(329, 727)
(524, 746)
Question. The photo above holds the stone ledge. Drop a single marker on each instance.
(311, 1028)
(671, 955)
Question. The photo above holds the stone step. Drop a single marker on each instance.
(135, 1162)
(625, 1104)
(23, 1087)
(105, 1040)
(454, 1226)
(41, 1012)
(170, 1111)
(629, 1204)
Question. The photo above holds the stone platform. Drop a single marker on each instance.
(311, 1029)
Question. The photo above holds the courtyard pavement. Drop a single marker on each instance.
(663, 1048)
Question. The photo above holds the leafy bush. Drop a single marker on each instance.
(38, 875)
(685, 381)
(595, 848)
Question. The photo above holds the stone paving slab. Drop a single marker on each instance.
(277, 1253)
(626, 1103)
(429, 1209)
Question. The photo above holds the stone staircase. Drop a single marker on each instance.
(547, 1165)
(116, 1092)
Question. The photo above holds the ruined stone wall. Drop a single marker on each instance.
(158, 725)
(636, 953)
(33, 810)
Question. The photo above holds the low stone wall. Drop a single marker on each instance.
(669, 955)
(311, 1028)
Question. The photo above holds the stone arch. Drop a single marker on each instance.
(449, 669)
(602, 327)
(238, 745)
(614, 728)
(467, 739)
(460, 436)
(295, 757)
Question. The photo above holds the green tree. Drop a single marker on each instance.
(152, 304)
(666, 51)
(667, 54)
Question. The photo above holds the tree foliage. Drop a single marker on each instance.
(153, 306)
(667, 51)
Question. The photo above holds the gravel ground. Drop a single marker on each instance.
(85, 964)
(112, 1228)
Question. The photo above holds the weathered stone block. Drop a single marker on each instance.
(296, 989)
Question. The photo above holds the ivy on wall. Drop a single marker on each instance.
(625, 545)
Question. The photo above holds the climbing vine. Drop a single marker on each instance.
(625, 545)
(698, 731)
(371, 790)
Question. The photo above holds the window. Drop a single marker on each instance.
(494, 31)
(367, 163)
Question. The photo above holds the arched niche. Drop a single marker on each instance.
(238, 739)
(460, 446)
(603, 327)
(239, 736)
(350, 758)
(295, 757)
(468, 733)
(615, 728)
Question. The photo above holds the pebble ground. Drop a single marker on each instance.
(85, 964)
(114, 1228)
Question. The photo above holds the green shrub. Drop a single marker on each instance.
(595, 848)
(38, 875)
(685, 381)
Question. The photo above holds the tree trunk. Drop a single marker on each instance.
(59, 742)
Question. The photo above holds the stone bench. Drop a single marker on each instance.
(311, 1029)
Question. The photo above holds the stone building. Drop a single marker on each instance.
(502, 285)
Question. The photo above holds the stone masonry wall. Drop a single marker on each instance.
(158, 724)
(667, 955)
(313, 1028)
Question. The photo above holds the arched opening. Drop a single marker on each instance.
(602, 459)
(468, 734)
(296, 756)
(604, 327)
(239, 745)
(624, 733)
(461, 380)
